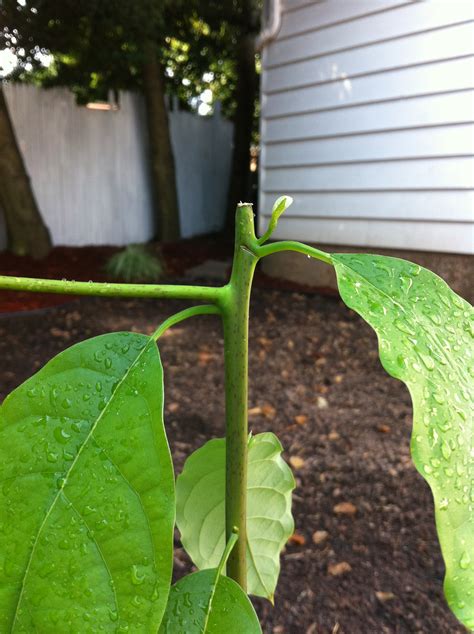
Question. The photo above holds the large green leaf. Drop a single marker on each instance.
(87, 493)
(200, 493)
(426, 339)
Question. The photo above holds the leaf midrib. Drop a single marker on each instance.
(211, 599)
(66, 477)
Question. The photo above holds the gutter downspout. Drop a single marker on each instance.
(271, 30)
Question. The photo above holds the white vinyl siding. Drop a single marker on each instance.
(368, 121)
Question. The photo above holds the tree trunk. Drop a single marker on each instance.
(246, 93)
(161, 150)
(27, 233)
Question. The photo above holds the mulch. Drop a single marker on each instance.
(316, 381)
(88, 263)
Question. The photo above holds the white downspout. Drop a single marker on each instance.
(271, 30)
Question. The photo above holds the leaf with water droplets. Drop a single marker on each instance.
(200, 491)
(87, 493)
(207, 602)
(426, 339)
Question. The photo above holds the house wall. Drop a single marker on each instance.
(90, 173)
(368, 122)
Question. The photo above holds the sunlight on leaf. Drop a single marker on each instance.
(200, 493)
(426, 339)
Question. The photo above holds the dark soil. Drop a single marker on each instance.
(316, 381)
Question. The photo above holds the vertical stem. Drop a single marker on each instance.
(235, 306)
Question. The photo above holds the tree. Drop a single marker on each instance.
(27, 233)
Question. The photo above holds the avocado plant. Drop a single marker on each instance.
(88, 500)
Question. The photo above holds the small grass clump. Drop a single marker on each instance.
(135, 264)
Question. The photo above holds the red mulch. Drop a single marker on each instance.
(73, 263)
(87, 263)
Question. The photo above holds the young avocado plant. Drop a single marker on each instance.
(87, 492)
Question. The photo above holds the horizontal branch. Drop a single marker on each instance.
(105, 289)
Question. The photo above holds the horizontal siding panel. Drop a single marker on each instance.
(433, 110)
(421, 174)
(408, 18)
(457, 206)
(321, 14)
(442, 141)
(442, 237)
(368, 122)
(430, 78)
(426, 47)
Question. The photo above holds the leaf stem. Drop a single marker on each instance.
(105, 289)
(291, 245)
(207, 309)
(228, 549)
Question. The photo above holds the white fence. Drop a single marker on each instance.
(90, 173)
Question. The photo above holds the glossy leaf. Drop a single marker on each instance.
(87, 493)
(200, 491)
(426, 339)
(206, 602)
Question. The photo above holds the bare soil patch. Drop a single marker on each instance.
(365, 558)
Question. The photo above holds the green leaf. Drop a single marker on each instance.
(200, 493)
(87, 493)
(280, 206)
(206, 602)
(426, 339)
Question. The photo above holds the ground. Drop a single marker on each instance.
(315, 380)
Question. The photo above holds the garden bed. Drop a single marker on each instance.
(315, 380)
(88, 263)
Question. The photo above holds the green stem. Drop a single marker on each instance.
(235, 314)
(207, 309)
(104, 289)
(291, 245)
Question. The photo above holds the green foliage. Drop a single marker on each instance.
(207, 602)
(99, 46)
(96, 46)
(426, 339)
(134, 264)
(280, 206)
(200, 503)
(87, 493)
